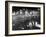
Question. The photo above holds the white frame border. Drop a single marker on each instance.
(10, 4)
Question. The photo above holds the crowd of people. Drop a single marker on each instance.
(24, 19)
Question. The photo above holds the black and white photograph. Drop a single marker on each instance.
(24, 18)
